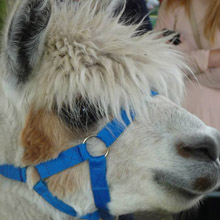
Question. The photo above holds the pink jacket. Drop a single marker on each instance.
(177, 19)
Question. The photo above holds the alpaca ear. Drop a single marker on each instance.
(26, 37)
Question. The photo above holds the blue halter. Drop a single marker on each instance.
(72, 157)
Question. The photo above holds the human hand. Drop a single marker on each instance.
(176, 36)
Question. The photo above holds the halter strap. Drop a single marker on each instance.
(97, 166)
(65, 160)
(72, 157)
(42, 189)
(15, 173)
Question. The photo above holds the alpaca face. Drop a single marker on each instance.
(68, 69)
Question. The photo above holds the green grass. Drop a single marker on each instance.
(2, 11)
(153, 16)
(154, 11)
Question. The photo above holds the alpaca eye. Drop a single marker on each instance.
(86, 115)
(81, 116)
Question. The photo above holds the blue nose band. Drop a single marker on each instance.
(71, 157)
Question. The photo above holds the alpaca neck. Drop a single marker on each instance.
(10, 127)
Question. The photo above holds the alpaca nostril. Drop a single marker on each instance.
(203, 153)
(205, 149)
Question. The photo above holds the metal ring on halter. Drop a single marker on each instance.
(91, 136)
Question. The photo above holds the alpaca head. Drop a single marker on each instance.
(68, 69)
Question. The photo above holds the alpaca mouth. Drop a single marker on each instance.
(183, 193)
(188, 188)
(172, 188)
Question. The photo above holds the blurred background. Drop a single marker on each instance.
(152, 5)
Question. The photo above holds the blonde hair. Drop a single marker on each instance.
(212, 18)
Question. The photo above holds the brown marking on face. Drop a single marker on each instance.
(67, 182)
(43, 137)
(202, 184)
(183, 153)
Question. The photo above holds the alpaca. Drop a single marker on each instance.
(69, 68)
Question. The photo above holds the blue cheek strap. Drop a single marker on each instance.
(71, 157)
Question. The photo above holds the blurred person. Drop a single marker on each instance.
(197, 23)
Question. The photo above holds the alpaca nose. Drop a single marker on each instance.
(205, 148)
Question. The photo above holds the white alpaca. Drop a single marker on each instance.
(66, 70)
